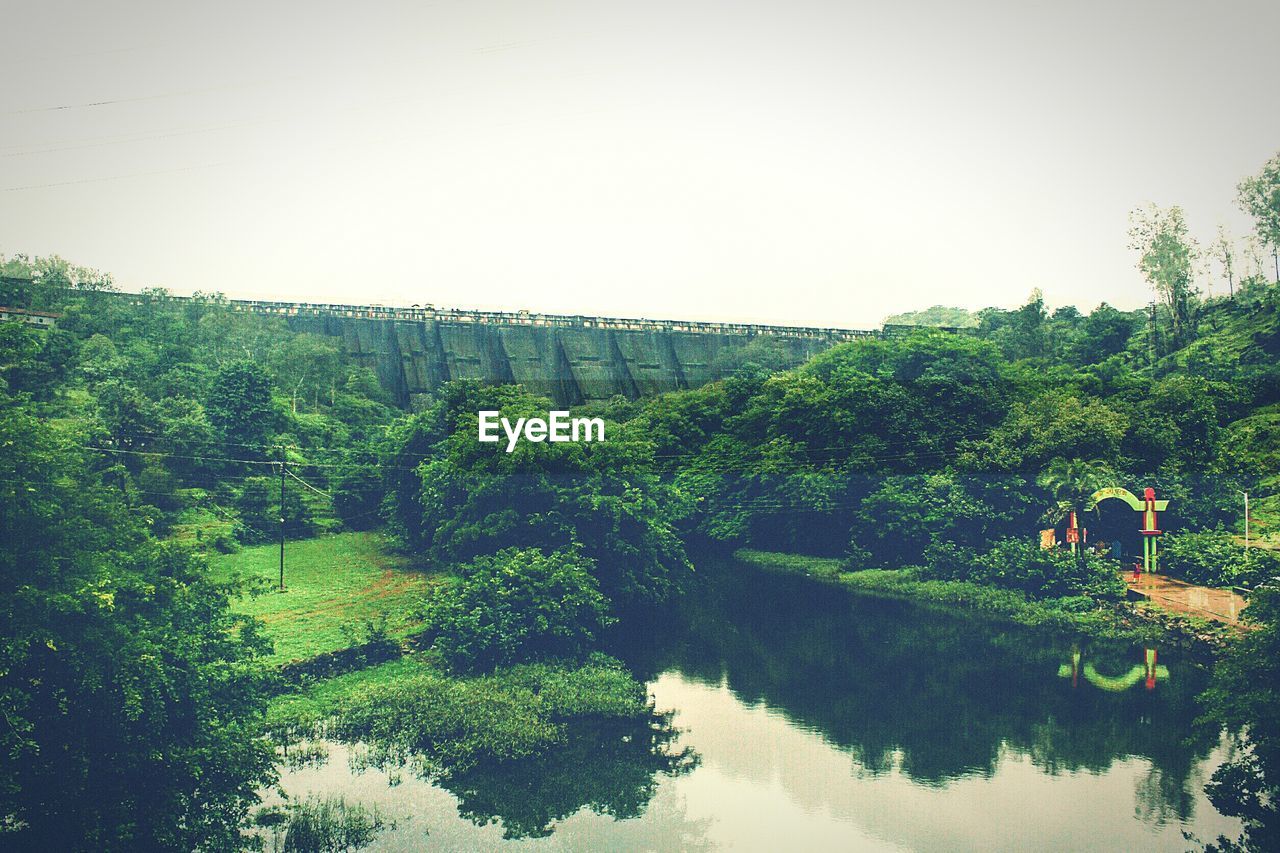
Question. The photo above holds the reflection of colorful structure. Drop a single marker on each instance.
(1148, 672)
(1149, 507)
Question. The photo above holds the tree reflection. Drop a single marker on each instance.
(611, 767)
(927, 692)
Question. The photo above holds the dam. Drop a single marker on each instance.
(572, 359)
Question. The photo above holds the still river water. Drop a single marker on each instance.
(803, 717)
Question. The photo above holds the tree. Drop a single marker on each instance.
(1259, 196)
(1051, 425)
(898, 521)
(1030, 326)
(306, 366)
(357, 494)
(1167, 256)
(190, 439)
(1071, 483)
(469, 499)
(132, 697)
(1244, 697)
(1106, 332)
(127, 415)
(515, 606)
(1224, 252)
(239, 404)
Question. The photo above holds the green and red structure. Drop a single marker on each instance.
(1150, 531)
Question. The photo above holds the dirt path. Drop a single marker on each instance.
(1221, 605)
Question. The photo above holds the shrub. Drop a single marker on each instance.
(517, 605)
(1023, 565)
(1213, 558)
(224, 542)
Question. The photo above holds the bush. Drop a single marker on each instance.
(517, 605)
(1213, 558)
(224, 542)
(1023, 565)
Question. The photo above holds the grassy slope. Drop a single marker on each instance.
(1229, 335)
(332, 583)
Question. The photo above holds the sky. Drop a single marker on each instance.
(798, 162)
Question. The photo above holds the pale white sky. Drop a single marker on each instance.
(822, 163)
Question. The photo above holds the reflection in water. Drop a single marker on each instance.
(937, 697)
(824, 720)
(609, 767)
(885, 679)
(1148, 673)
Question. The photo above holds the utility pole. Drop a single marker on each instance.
(282, 463)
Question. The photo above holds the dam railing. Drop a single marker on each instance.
(426, 313)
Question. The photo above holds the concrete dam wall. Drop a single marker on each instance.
(569, 364)
(570, 358)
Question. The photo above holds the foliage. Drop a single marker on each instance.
(1245, 697)
(132, 695)
(260, 511)
(1022, 565)
(1071, 483)
(239, 405)
(357, 496)
(517, 605)
(408, 710)
(938, 315)
(1259, 196)
(897, 522)
(1167, 256)
(1212, 558)
(474, 499)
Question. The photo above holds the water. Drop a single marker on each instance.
(805, 717)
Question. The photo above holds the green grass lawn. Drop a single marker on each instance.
(332, 584)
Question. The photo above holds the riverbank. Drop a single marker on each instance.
(1132, 622)
(410, 708)
(345, 635)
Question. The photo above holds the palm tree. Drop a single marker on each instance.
(1071, 483)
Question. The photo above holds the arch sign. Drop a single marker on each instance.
(1149, 507)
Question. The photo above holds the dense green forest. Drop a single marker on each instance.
(141, 437)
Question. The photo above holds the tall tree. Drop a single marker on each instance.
(1259, 196)
(1223, 251)
(1071, 483)
(1167, 256)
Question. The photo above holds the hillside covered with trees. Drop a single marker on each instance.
(143, 437)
